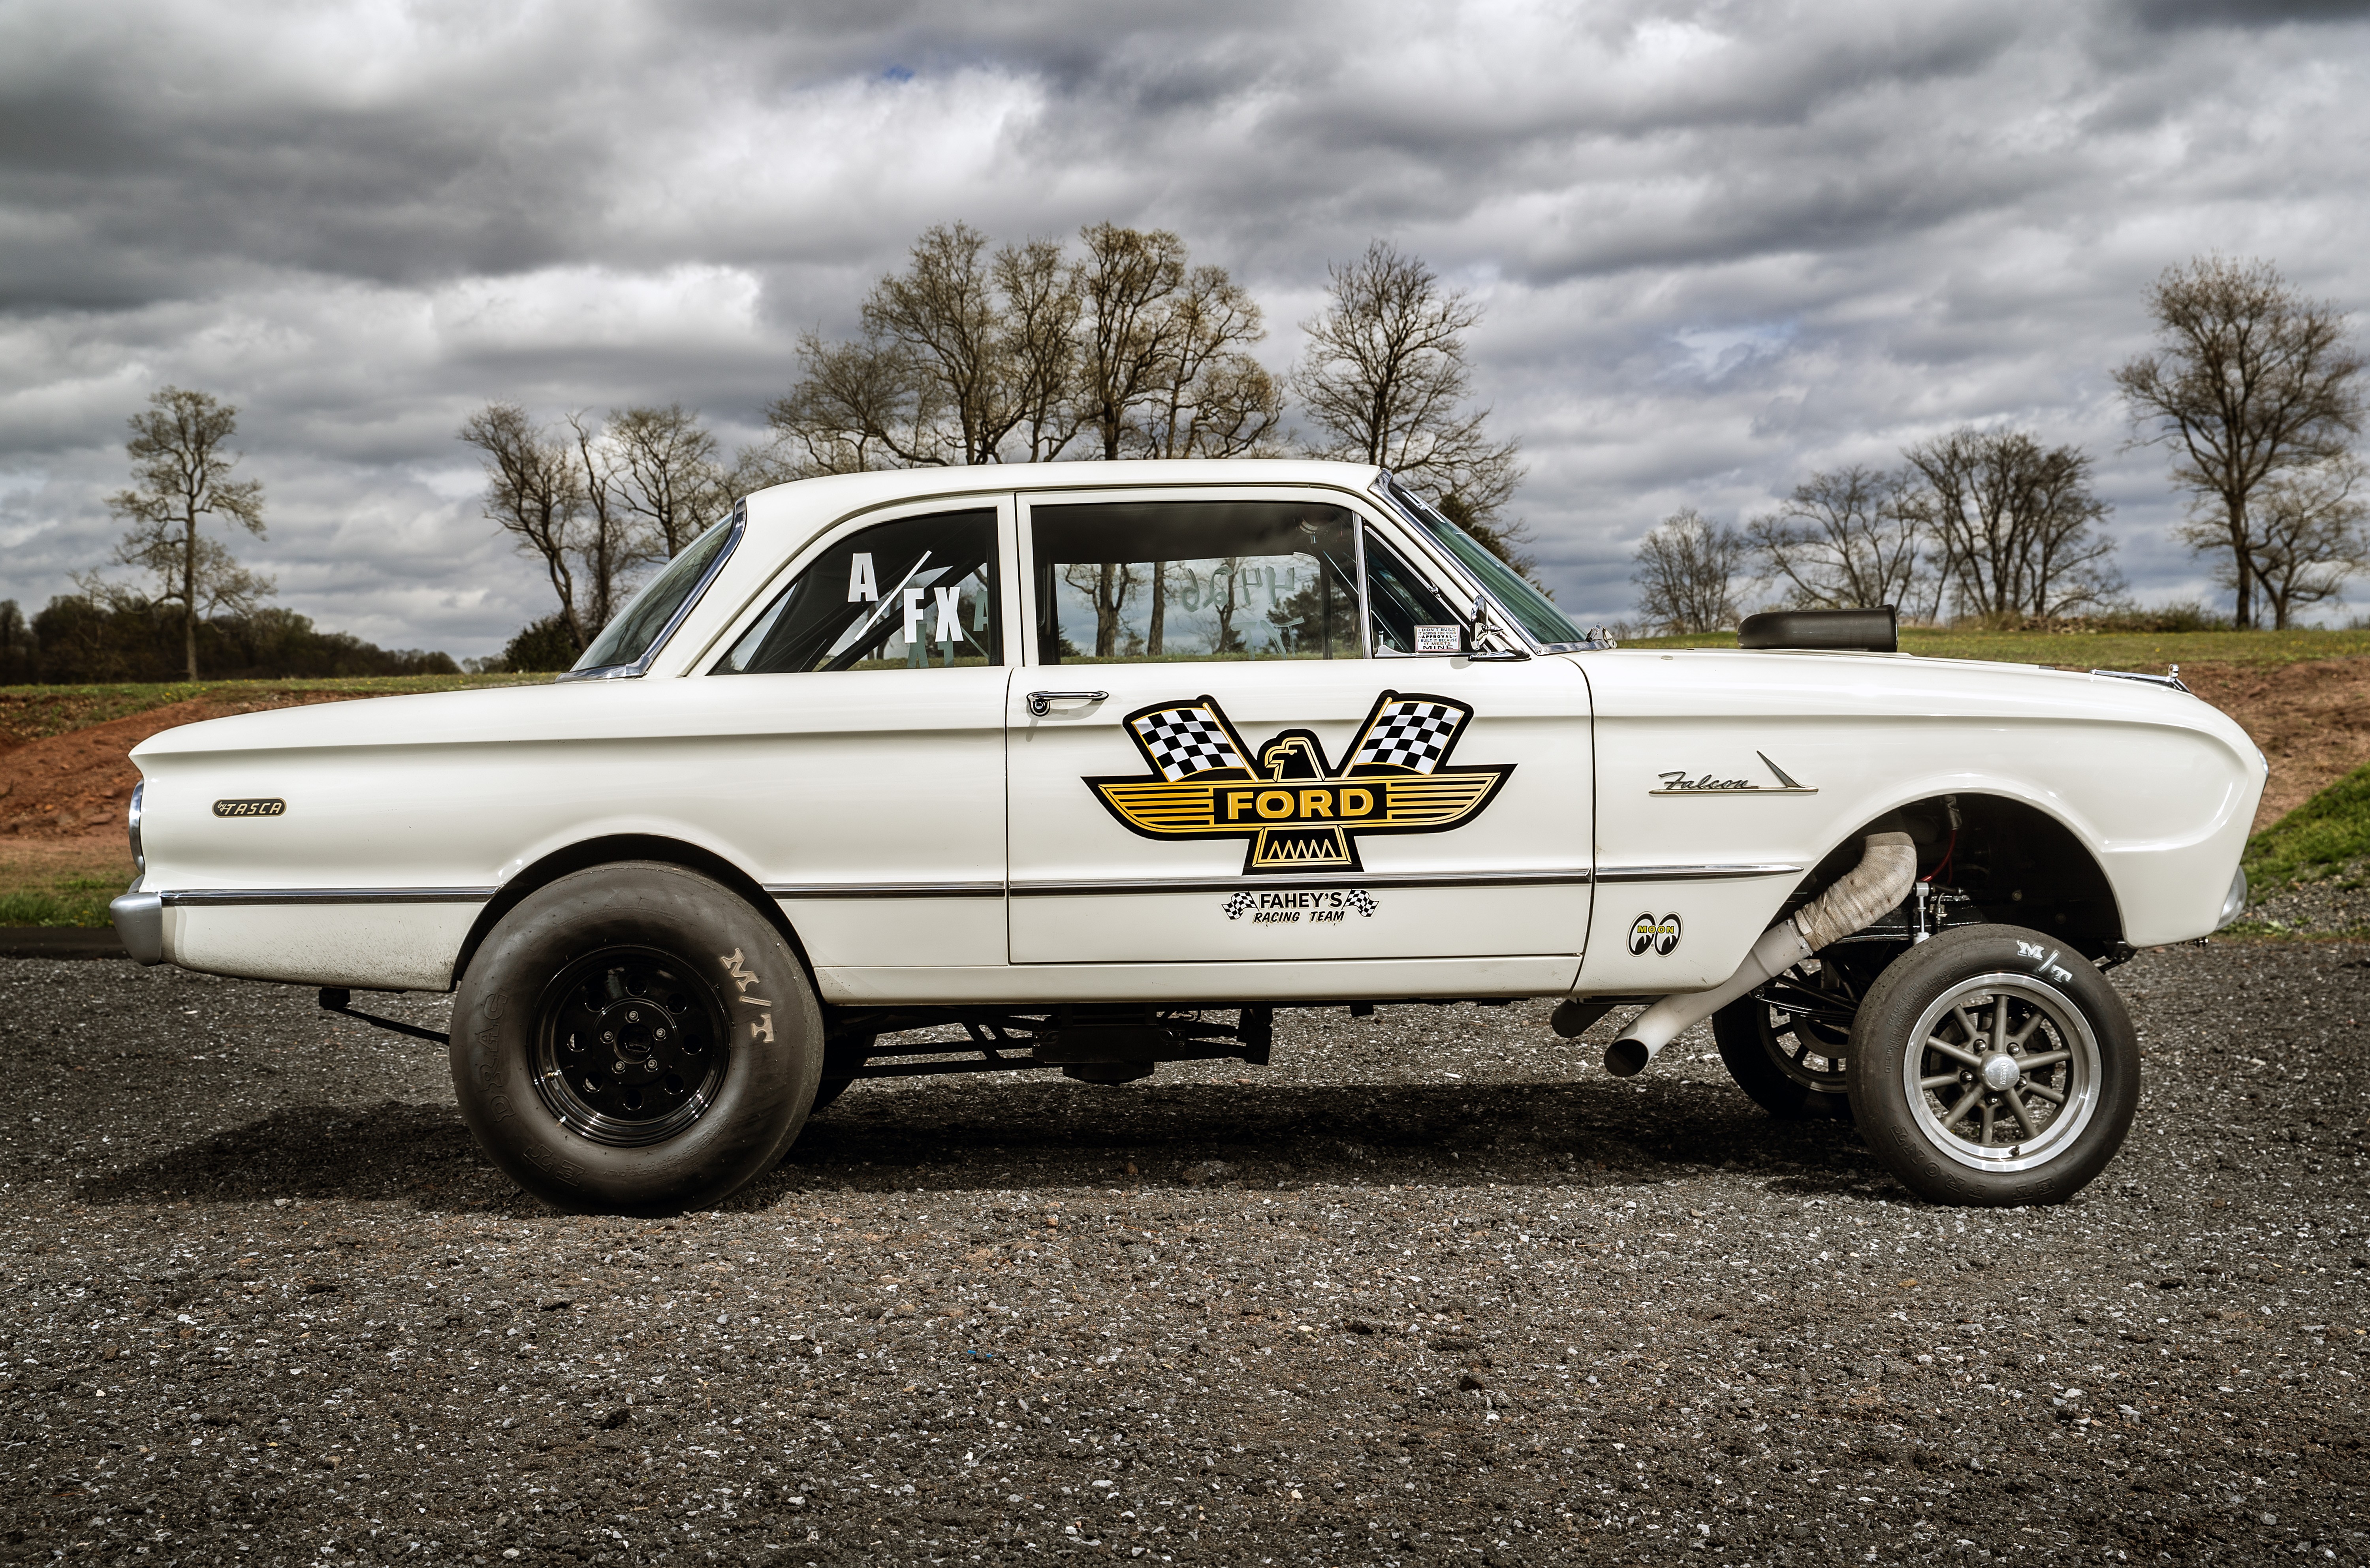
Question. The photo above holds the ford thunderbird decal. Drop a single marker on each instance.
(1299, 814)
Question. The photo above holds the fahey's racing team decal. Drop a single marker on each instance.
(1298, 813)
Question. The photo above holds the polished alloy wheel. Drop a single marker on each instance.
(630, 1046)
(2004, 1072)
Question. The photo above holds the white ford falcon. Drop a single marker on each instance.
(1104, 763)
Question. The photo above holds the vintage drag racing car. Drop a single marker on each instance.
(1094, 766)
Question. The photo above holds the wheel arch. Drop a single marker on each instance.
(608, 849)
(2019, 863)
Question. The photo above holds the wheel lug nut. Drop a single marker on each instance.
(608, 1037)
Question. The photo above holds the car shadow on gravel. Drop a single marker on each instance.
(393, 1150)
(970, 1136)
(1573, 1135)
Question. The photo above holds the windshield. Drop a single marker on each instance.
(1523, 602)
(627, 641)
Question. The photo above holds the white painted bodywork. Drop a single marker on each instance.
(930, 840)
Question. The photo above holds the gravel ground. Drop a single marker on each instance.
(1432, 1289)
(2336, 903)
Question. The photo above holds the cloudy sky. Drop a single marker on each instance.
(1718, 245)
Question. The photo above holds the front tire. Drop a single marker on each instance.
(635, 1039)
(1993, 1066)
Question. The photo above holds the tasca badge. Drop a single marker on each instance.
(1299, 814)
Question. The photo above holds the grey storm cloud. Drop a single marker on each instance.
(1717, 245)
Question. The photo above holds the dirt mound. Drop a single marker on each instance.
(2311, 719)
(78, 785)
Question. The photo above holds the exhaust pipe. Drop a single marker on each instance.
(1887, 871)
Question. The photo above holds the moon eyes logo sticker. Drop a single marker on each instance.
(1298, 813)
(1659, 933)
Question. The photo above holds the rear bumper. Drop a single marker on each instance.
(139, 921)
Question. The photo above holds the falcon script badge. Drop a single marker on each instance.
(1299, 814)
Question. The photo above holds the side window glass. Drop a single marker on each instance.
(1191, 581)
(1400, 601)
(915, 593)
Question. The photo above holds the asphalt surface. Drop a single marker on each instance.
(1430, 1289)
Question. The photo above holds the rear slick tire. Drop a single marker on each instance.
(1992, 1066)
(635, 1039)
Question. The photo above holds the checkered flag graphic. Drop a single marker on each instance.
(1411, 732)
(1185, 740)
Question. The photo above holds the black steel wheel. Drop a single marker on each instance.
(630, 1046)
(635, 1039)
(1788, 1044)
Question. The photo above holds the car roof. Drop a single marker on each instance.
(807, 501)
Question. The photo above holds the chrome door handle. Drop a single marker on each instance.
(1041, 703)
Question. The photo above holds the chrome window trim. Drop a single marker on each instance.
(1388, 490)
(740, 527)
(1105, 493)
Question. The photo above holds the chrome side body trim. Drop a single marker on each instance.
(1691, 873)
(1289, 883)
(886, 890)
(228, 895)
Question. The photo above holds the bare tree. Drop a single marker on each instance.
(667, 474)
(1385, 381)
(960, 352)
(1686, 571)
(1210, 397)
(2308, 524)
(610, 543)
(2013, 524)
(1126, 286)
(2251, 380)
(535, 491)
(182, 476)
(1842, 540)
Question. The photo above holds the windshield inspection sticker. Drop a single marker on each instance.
(1298, 813)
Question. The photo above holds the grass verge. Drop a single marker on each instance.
(2100, 649)
(64, 883)
(2307, 874)
(33, 712)
(2326, 834)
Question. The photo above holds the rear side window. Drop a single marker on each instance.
(916, 594)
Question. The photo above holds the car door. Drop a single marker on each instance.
(1223, 748)
(875, 671)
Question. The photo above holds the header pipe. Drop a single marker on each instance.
(1887, 871)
